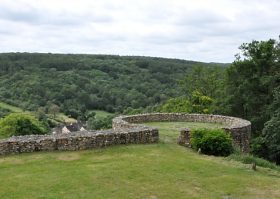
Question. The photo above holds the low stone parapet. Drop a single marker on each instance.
(78, 140)
(239, 129)
(126, 130)
(184, 137)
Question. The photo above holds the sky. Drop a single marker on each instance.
(201, 30)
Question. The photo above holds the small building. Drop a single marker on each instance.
(68, 128)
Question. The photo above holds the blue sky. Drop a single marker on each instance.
(201, 30)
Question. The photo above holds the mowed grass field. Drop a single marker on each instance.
(163, 170)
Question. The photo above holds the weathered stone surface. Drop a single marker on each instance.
(125, 131)
(78, 140)
(184, 137)
(239, 129)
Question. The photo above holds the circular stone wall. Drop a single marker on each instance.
(239, 129)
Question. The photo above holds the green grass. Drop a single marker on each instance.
(10, 107)
(102, 114)
(163, 170)
(59, 118)
(169, 131)
(250, 159)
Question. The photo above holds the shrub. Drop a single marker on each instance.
(4, 112)
(258, 147)
(211, 141)
(271, 134)
(95, 123)
(20, 124)
(176, 105)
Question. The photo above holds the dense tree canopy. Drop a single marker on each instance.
(251, 81)
(208, 81)
(271, 134)
(76, 83)
(196, 103)
(252, 85)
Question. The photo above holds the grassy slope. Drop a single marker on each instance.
(163, 170)
(102, 114)
(60, 117)
(63, 118)
(10, 107)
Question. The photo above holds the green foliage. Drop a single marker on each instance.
(211, 141)
(77, 83)
(98, 113)
(208, 81)
(4, 112)
(54, 110)
(41, 114)
(200, 103)
(96, 123)
(252, 90)
(251, 81)
(271, 135)
(131, 111)
(20, 124)
(250, 159)
(197, 103)
(10, 107)
(258, 147)
(179, 105)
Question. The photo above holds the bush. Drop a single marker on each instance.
(95, 123)
(20, 124)
(258, 147)
(4, 112)
(211, 141)
(271, 135)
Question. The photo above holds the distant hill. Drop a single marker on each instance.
(77, 82)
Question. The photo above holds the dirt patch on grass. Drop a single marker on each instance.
(68, 157)
(11, 161)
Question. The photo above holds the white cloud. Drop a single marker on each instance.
(188, 29)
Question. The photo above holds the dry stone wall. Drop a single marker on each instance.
(239, 129)
(78, 140)
(184, 137)
(126, 130)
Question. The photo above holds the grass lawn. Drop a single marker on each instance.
(163, 170)
(10, 107)
(169, 131)
(102, 114)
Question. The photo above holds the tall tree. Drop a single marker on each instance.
(54, 109)
(206, 80)
(251, 80)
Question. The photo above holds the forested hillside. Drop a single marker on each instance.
(77, 83)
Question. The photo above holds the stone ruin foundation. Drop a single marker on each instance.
(126, 130)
